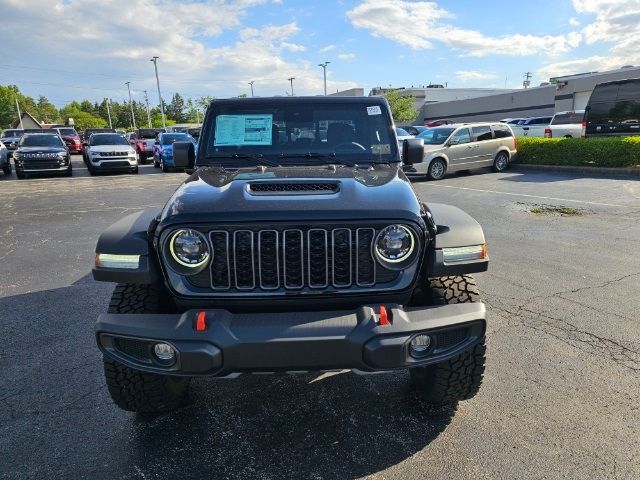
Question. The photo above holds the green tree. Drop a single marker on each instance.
(81, 118)
(175, 109)
(47, 112)
(402, 107)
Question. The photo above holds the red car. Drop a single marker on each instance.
(437, 123)
(71, 139)
(142, 141)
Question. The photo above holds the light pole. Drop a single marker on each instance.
(133, 117)
(146, 99)
(251, 83)
(155, 64)
(324, 70)
(291, 79)
(106, 100)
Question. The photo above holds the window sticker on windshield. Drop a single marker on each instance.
(375, 110)
(381, 149)
(239, 130)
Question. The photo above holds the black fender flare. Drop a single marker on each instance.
(131, 235)
(454, 228)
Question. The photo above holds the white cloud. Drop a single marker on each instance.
(617, 22)
(113, 41)
(419, 24)
(574, 22)
(326, 49)
(347, 56)
(466, 75)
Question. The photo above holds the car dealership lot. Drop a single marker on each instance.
(560, 398)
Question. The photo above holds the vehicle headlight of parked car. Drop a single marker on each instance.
(394, 247)
(188, 251)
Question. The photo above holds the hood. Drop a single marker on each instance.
(227, 196)
(9, 139)
(111, 148)
(41, 149)
(432, 148)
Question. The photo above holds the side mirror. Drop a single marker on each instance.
(184, 155)
(413, 151)
(453, 141)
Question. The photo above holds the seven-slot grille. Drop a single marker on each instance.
(292, 259)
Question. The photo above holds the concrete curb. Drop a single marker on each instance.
(587, 171)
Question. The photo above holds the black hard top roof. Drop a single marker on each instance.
(303, 100)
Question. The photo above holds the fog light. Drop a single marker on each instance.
(419, 345)
(164, 352)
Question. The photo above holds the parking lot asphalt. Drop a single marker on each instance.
(561, 391)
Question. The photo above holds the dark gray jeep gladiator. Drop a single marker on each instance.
(295, 244)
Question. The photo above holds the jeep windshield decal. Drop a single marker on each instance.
(298, 133)
(238, 130)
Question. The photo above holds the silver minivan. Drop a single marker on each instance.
(464, 146)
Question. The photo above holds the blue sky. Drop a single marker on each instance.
(88, 49)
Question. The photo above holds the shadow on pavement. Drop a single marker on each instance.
(56, 407)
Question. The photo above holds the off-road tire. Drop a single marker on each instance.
(460, 377)
(132, 389)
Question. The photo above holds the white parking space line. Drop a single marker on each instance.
(586, 202)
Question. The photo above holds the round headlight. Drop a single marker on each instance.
(189, 248)
(394, 244)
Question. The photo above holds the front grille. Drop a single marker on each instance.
(113, 154)
(42, 165)
(292, 259)
(112, 164)
(291, 188)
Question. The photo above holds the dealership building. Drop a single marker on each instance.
(570, 92)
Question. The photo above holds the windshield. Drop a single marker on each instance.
(313, 132)
(435, 136)
(39, 140)
(108, 139)
(147, 134)
(169, 138)
(68, 132)
(12, 133)
(401, 132)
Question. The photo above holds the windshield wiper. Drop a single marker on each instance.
(333, 157)
(260, 160)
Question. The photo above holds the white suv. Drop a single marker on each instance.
(110, 152)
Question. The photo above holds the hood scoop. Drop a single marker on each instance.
(293, 188)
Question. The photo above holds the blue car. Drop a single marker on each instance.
(163, 149)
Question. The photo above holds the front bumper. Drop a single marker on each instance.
(114, 163)
(294, 341)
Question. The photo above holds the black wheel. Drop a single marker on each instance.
(460, 377)
(135, 170)
(69, 172)
(164, 167)
(437, 169)
(132, 389)
(92, 170)
(20, 174)
(156, 164)
(501, 162)
(142, 158)
(7, 168)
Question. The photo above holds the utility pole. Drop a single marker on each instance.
(527, 79)
(133, 117)
(324, 70)
(146, 99)
(291, 79)
(197, 115)
(106, 100)
(155, 64)
(19, 114)
(251, 83)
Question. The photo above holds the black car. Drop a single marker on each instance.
(11, 138)
(288, 250)
(41, 153)
(613, 109)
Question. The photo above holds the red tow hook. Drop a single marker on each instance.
(201, 322)
(383, 317)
